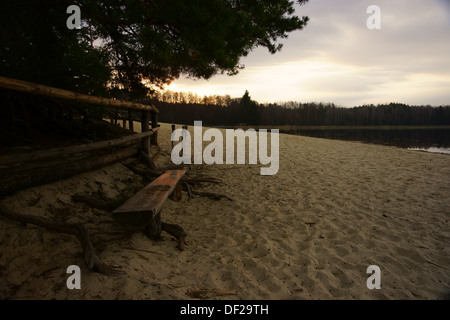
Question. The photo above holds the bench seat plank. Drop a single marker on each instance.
(141, 208)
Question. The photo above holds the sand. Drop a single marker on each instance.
(309, 232)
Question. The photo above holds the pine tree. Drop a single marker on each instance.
(138, 40)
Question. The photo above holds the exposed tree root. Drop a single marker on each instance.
(176, 231)
(76, 229)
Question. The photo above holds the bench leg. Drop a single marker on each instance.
(177, 193)
(153, 229)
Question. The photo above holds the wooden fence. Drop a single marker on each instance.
(23, 170)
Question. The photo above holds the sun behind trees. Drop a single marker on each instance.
(123, 50)
(126, 50)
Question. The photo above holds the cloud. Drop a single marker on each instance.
(337, 59)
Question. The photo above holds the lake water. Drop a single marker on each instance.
(430, 140)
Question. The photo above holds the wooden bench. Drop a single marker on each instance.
(142, 211)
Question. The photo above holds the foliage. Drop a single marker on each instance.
(37, 46)
(123, 43)
(248, 112)
(302, 114)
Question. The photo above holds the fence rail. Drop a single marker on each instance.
(35, 88)
(21, 171)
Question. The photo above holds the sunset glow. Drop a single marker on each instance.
(337, 59)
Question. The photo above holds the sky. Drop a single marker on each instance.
(337, 59)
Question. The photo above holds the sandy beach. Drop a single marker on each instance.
(309, 232)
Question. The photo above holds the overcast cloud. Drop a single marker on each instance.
(336, 58)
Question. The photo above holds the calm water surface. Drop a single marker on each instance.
(430, 140)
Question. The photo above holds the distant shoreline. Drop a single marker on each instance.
(436, 138)
(319, 127)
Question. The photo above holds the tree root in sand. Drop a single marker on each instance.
(176, 231)
(203, 293)
(76, 229)
(109, 205)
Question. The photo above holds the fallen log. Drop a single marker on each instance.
(76, 229)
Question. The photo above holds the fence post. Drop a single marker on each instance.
(154, 136)
(173, 129)
(116, 116)
(184, 138)
(130, 120)
(144, 128)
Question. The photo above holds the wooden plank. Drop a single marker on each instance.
(177, 193)
(18, 159)
(140, 209)
(34, 88)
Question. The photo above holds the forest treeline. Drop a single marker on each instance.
(185, 108)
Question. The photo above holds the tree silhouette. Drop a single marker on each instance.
(37, 46)
(248, 110)
(151, 40)
(240, 110)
